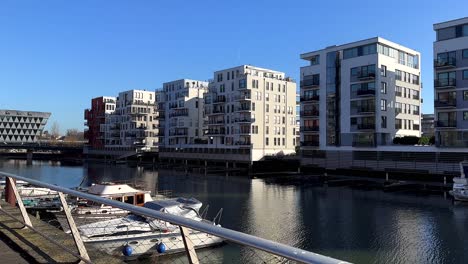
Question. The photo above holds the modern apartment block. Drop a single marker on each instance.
(101, 107)
(451, 83)
(128, 121)
(361, 94)
(182, 105)
(251, 111)
(21, 126)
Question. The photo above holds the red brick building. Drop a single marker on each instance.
(96, 120)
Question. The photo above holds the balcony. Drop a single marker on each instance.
(243, 143)
(310, 128)
(450, 103)
(364, 76)
(216, 112)
(416, 97)
(398, 94)
(446, 123)
(445, 63)
(178, 113)
(313, 113)
(445, 83)
(398, 111)
(212, 132)
(244, 120)
(243, 109)
(310, 83)
(415, 112)
(310, 98)
(219, 99)
(310, 143)
(243, 97)
(369, 126)
(216, 122)
(178, 133)
(359, 143)
(363, 110)
(365, 92)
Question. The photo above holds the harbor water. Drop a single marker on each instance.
(360, 226)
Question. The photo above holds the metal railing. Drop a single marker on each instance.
(185, 224)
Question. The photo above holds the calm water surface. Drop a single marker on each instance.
(353, 225)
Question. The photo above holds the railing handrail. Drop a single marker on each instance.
(272, 247)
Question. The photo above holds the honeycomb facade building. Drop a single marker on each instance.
(21, 126)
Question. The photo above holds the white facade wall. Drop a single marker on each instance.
(253, 109)
(347, 130)
(185, 123)
(134, 122)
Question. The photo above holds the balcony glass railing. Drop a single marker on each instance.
(310, 113)
(451, 102)
(446, 123)
(310, 128)
(366, 126)
(310, 98)
(362, 92)
(445, 62)
(310, 143)
(310, 83)
(446, 82)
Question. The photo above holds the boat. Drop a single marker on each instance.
(85, 211)
(460, 184)
(147, 235)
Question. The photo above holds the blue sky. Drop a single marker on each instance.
(57, 55)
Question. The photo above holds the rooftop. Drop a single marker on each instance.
(451, 23)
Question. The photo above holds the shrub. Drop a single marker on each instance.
(424, 141)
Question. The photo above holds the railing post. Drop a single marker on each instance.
(24, 213)
(189, 248)
(75, 233)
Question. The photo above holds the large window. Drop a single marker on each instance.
(360, 51)
(465, 74)
(446, 33)
(315, 60)
(465, 53)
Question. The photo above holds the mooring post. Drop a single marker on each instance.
(29, 157)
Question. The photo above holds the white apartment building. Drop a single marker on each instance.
(361, 94)
(134, 122)
(451, 83)
(251, 111)
(183, 104)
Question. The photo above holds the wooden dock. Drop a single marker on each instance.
(36, 247)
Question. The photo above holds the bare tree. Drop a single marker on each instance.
(74, 134)
(55, 130)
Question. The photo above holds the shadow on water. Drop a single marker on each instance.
(361, 226)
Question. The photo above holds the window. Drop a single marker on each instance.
(446, 33)
(398, 75)
(465, 115)
(315, 60)
(383, 88)
(220, 77)
(383, 122)
(383, 104)
(465, 95)
(354, 71)
(267, 108)
(242, 83)
(465, 74)
(383, 71)
(465, 53)
(267, 141)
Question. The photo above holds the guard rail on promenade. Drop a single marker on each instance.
(252, 249)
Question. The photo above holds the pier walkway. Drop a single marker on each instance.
(38, 249)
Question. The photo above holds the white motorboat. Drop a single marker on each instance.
(460, 184)
(85, 211)
(145, 235)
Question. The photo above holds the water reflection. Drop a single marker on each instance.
(354, 225)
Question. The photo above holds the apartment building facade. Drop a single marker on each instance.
(101, 108)
(451, 83)
(182, 103)
(427, 125)
(361, 94)
(252, 111)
